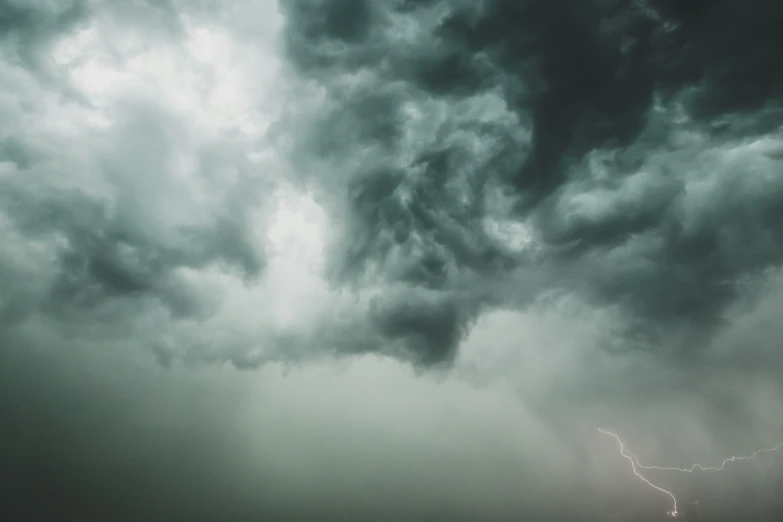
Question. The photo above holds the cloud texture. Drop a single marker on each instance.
(388, 260)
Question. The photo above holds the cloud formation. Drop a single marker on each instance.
(613, 133)
(387, 260)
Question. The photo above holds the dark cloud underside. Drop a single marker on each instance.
(612, 144)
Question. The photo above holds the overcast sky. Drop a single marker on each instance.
(389, 260)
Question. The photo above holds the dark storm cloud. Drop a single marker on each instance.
(504, 191)
(25, 27)
(627, 142)
(431, 326)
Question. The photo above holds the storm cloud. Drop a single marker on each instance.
(388, 260)
(634, 143)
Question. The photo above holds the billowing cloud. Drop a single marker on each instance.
(612, 132)
(387, 260)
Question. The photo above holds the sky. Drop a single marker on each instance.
(389, 260)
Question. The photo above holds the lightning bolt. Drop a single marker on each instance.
(714, 468)
(636, 466)
(633, 460)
